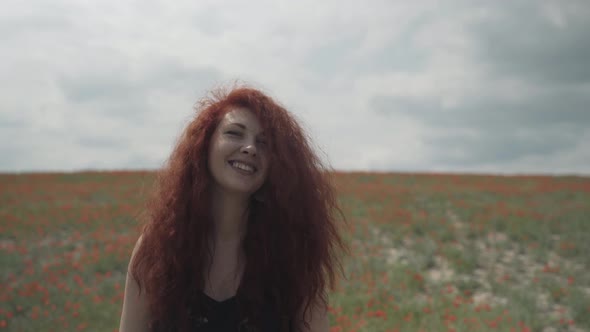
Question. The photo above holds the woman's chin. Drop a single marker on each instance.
(241, 190)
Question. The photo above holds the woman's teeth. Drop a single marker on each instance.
(242, 166)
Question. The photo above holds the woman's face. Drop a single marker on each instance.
(238, 153)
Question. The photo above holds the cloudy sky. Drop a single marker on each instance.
(391, 85)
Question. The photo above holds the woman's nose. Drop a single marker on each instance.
(249, 149)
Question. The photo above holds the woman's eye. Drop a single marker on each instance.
(234, 133)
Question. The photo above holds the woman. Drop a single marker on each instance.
(241, 232)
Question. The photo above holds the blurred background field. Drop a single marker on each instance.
(429, 252)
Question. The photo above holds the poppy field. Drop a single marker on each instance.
(428, 252)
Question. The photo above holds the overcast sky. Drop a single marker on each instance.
(392, 85)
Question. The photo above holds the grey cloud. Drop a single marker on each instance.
(209, 21)
(330, 57)
(12, 157)
(517, 40)
(13, 27)
(106, 142)
(398, 54)
(116, 94)
(44, 18)
(116, 82)
(557, 106)
(98, 86)
(504, 130)
(498, 147)
(176, 77)
(9, 120)
(120, 92)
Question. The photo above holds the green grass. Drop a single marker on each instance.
(65, 241)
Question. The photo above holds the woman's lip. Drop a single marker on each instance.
(241, 170)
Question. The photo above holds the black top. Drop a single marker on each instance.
(224, 316)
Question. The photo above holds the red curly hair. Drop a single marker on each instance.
(292, 243)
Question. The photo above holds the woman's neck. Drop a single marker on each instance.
(229, 212)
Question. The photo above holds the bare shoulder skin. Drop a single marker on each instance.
(317, 319)
(134, 317)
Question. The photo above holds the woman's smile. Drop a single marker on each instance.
(242, 167)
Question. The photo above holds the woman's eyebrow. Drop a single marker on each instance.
(262, 133)
(238, 124)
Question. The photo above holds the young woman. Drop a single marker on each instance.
(241, 233)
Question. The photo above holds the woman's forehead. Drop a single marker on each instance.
(242, 117)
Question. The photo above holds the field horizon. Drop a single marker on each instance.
(338, 171)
